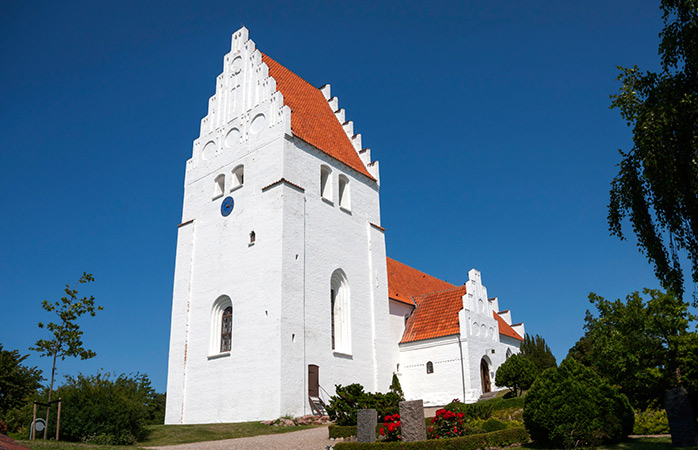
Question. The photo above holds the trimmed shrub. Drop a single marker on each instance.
(572, 406)
(342, 431)
(501, 438)
(517, 373)
(472, 411)
(651, 421)
(491, 425)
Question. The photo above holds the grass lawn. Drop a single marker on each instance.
(183, 434)
(177, 434)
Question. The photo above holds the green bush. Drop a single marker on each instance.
(517, 373)
(501, 438)
(571, 406)
(343, 405)
(348, 399)
(472, 411)
(651, 421)
(493, 425)
(104, 409)
(342, 431)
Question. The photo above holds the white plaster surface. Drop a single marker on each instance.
(279, 286)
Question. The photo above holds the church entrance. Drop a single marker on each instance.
(313, 381)
(485, 376)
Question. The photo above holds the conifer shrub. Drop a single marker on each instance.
(571, 406)
(651, 421)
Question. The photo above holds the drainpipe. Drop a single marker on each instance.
(305, 362)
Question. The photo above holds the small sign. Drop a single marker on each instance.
(39, 425)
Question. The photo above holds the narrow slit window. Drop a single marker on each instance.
(430, 367)
(238, 177)
(219, 186)
(326, 183)
(344, 193)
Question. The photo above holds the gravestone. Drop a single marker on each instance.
(681, 419)
(366, 423)
(412, 417)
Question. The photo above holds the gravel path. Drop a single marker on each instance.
(312, 439)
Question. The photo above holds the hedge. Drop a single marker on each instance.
(500, 438)
(343, 431)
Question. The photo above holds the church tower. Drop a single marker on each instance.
(280, 286)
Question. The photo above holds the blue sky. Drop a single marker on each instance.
(490, 120)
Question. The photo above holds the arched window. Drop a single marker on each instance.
(340, 312)
(326, 183)
(227, 329)
(221, 326)
(430, 367)
(218, 186)
(344, 193)
(238, 177)
(508, 353)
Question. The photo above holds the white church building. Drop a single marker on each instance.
(282, 285)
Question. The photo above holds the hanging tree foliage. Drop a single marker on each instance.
(657, 185)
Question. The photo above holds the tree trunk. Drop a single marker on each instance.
(50, 391)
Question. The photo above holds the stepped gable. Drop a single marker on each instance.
(435, 316)
(312, 118)
(505, 328)
(405, 282)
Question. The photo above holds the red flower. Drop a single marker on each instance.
(382, 432)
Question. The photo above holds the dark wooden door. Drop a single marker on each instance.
(485, 376)
(313, 380)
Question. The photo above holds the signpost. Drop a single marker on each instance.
(40, 424)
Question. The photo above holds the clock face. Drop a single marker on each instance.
(227, 206)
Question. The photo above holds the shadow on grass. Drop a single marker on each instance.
(638, 443)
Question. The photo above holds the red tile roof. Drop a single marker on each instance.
(404, 282)
(436, 315)
(438, 303)
(505, 328)
(312, 118)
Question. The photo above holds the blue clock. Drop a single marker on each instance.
(227, 206)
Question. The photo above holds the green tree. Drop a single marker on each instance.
(517, 373)
(643, 346)
(571, 406)
(657, 184)
(17, 381)
(106, 409)
(396, 387)
(537, 351)
(66, 334)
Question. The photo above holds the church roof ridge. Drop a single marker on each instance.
(406, 282)
(312, 117)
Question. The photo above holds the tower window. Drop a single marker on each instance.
(218, 186)
(340, 317)
(430, 367)
(326, 183)
(227, 329)
(344, 194)
(253, 237)
(221, 326)
(238, 177)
